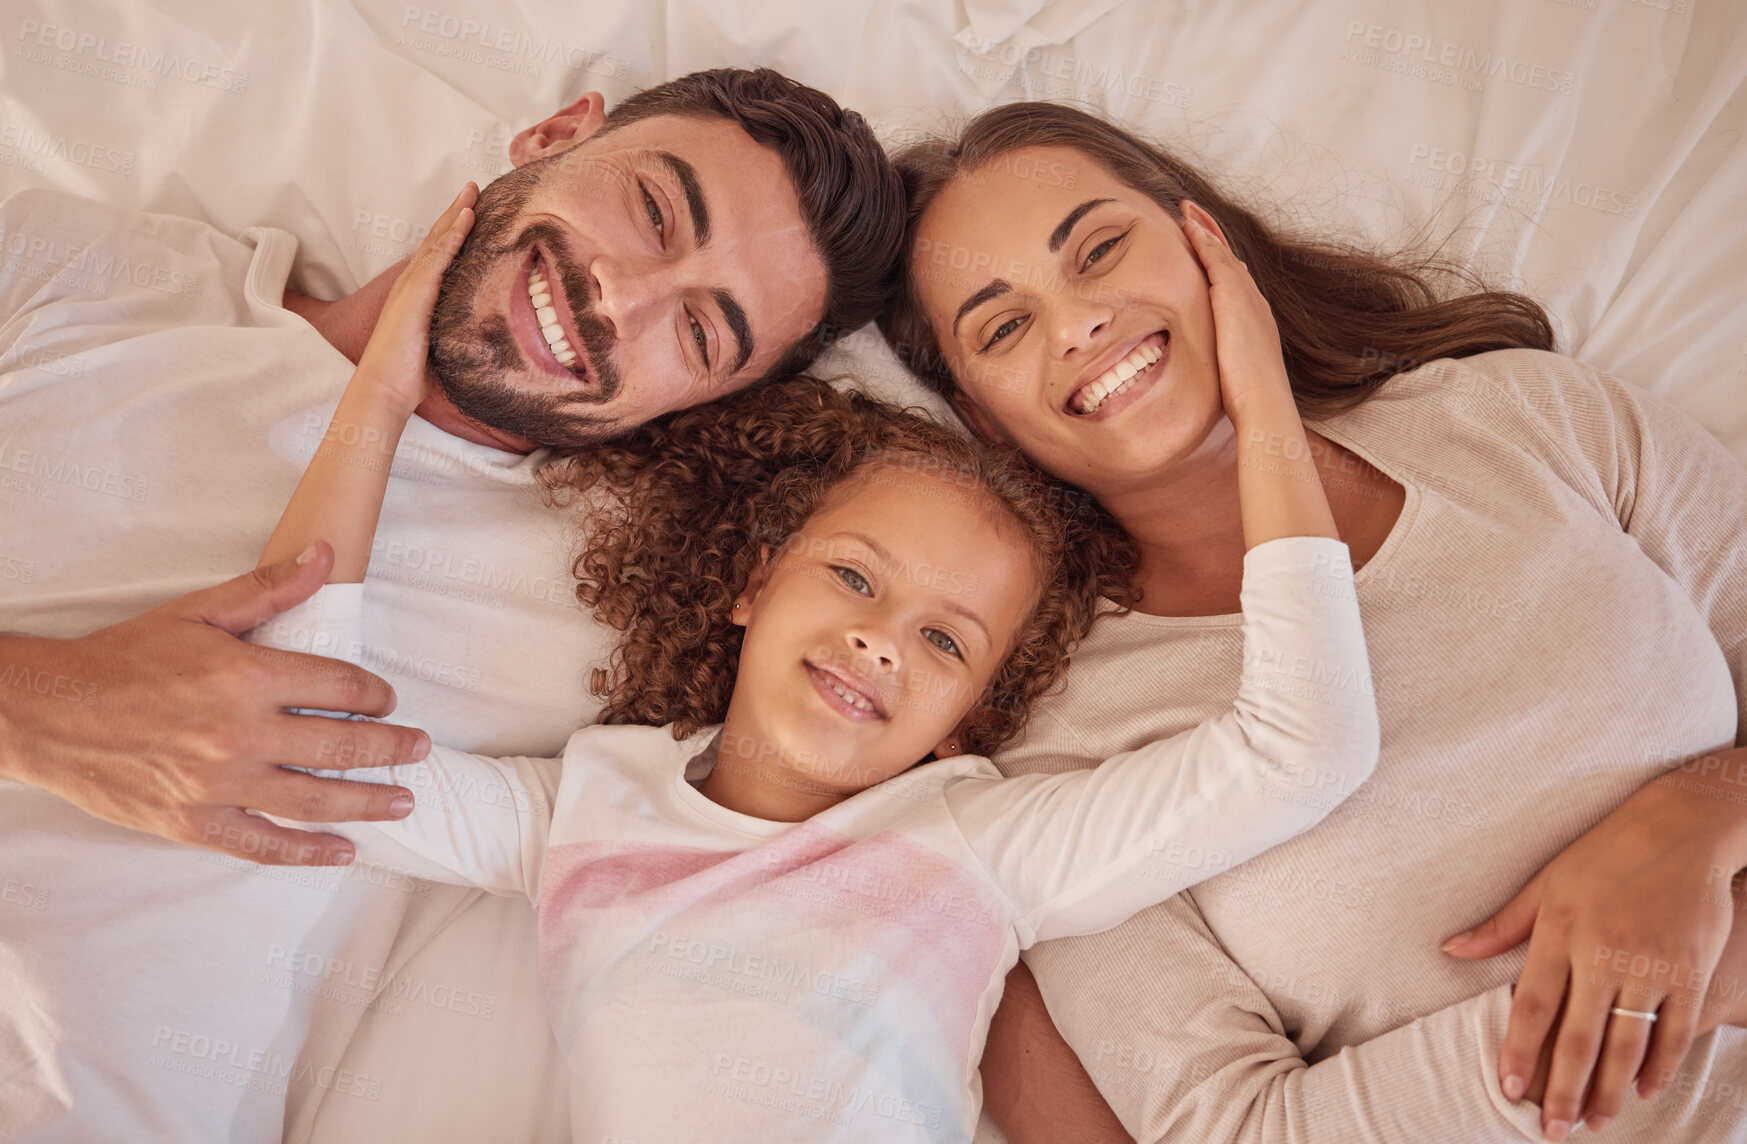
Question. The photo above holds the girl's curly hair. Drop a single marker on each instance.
(680, 510)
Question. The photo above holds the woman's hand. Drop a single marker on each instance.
(1628, 916)
(1726, 1001)
(393, 364)
(1252, 369)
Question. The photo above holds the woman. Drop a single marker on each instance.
(1555, 594)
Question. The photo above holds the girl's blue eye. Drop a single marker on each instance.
(855, 581)
(1002, 331)
(945, 642)
(654, 211)
(1101, 250)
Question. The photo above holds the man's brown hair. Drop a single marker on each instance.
(850, 194)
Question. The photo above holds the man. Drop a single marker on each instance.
(708, 233)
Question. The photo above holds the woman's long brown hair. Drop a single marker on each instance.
(1349, 318)
(682, 510)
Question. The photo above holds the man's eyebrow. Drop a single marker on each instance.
(1060, 234)
(994, 289)
(735, 315)
(694, 194)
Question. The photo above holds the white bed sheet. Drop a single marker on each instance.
(1590, 152)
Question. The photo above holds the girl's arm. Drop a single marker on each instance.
(1279, 490)
(471, 820)
(339, 498)
(1083, 851)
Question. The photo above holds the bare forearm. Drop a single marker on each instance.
(1034, 1087)
(1279, 488)
(42, 687)
(340, 496)
(1710, 793)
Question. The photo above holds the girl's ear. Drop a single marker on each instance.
(953, 745)
(748, 598)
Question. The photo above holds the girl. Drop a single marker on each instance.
(779, 901)
(1555, 596)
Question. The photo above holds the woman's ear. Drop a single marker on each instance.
(1194, 210)
(748, 598)
(560, 132)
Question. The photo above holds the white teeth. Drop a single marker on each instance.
(547, 315)
(1116, 378)
(858, 701)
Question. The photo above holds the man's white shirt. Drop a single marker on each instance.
(157, 407)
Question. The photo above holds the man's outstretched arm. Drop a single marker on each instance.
(170, 724)
(1034, 1087)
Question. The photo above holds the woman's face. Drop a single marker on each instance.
(1074, 315)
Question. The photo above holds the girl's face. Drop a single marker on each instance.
(1042, 274)
(876, 629)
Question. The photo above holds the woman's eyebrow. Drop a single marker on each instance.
(993, 290)
(1060, 234)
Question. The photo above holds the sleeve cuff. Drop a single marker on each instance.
(1320, 555)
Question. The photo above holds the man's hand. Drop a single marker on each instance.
(168, 723)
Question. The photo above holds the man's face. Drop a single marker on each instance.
(650, 268)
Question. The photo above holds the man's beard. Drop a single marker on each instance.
(473, 359)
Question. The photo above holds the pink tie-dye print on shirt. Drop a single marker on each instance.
(813, 975)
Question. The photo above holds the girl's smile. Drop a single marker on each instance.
(870, 636)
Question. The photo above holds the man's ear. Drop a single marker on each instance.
(744, 602)
(976, 420)
(562, 131)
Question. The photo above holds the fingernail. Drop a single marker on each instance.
(306, 555)
(1556, 1130)
(401, 806)
(1596, 1123)
(1455, 941)
(1514, 1086)
(342, 857)
(422, 747)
